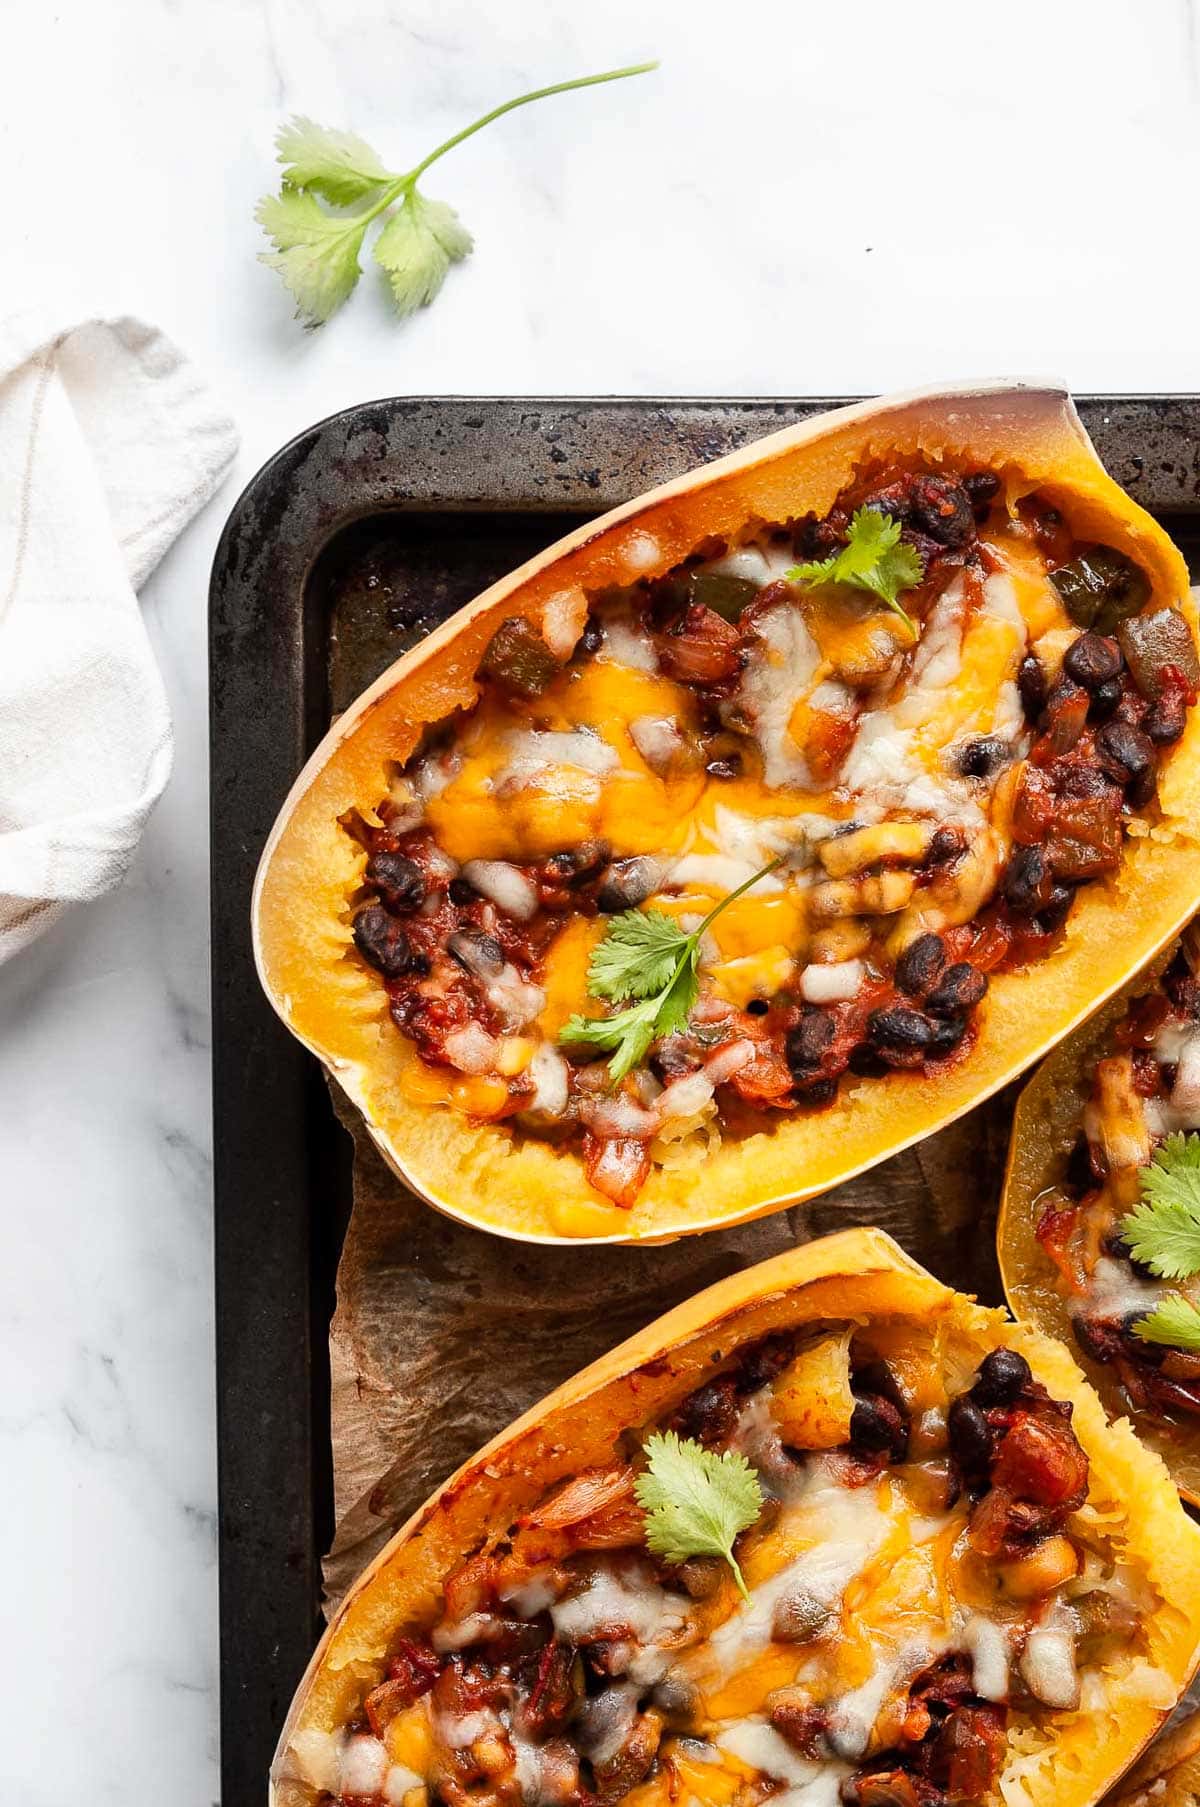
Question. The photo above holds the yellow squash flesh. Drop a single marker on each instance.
(859, 1275)
(1048, 1118)
(521, 1187)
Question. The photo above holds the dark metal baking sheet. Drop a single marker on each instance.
(348, 545)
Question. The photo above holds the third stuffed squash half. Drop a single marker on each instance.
(1099, 1236)
(827, 1534)
(753, 831)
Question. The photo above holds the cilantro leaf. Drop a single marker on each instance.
(1174, 1321)
(626, 1036)
(339, 166)
(696, 1501)
(316, 252)
(873, 559)
(1163, 1231)
(416, 248)
(639, 958)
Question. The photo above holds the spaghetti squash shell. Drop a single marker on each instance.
(858, 1275)
(482, 1174)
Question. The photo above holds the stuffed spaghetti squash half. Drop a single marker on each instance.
(828, 1532)
(754, 831)
(1099, 1235)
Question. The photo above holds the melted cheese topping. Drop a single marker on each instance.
(530, 778)
(857, 1584)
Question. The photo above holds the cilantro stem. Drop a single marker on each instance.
(689, 946)
(399, 185)
(736, 1566)
(731, 895)
(523, 100)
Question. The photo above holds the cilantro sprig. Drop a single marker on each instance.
(317, 251)
(696, 1501)
(645, 956)
(1162, 1232)
(1174, 1321)
(874, 559)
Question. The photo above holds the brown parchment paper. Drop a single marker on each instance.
(443, 1334)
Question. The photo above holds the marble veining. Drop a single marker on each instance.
(806, 199)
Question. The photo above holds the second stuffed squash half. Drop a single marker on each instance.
(827, 1533)
(751, 832)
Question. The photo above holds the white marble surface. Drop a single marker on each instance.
(810, 197)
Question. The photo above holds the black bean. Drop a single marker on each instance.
(877, 1425)
(575, 864)
(383, 944)
(807, 1042)
(1166, 719)
(1140, 790)
(399, 881)
(982, 487)
(984, 757)
(970, 1436)
(1002, 1375)
(1105, 698)
(876, 1377)
(947, 844)
(959, 989)
(816, 1092)
(899, 1030)
(1125, 752)
(920, 965)
(461, 892)
(592, 638)
(1031, 682)
(799, 1617)
(1092, 660)
(1081, 1175)
(1096, 1336)
(1027, 881)
(865, 1062)
(1056, 909)
(627, 883)
(946, 1036)
(476, 953)
(942, 508)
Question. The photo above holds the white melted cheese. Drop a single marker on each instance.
(853, 1717)
(399, 1782)
(889, 758)
(849, 1529)
(1117, 1290)
(759, 565)
(758, 839)
(832, 984)
(987, 1645)
(532, 752)
(458, 1731)
(757, 1743)
(364, 1765)
(549, 1073)
(615, 1601)
(782, 664)
(624, 645)
(1185, 1093)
